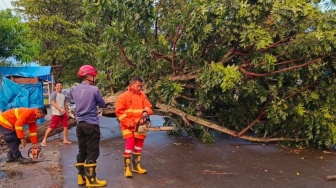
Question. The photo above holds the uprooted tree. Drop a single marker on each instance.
(261, 69)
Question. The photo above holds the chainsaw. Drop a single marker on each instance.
(144, 125)
(34, 153)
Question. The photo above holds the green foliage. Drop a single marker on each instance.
(13, 38)
(67, 40)
(168, 90)
(271, 63)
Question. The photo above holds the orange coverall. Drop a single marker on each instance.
(129, 108)
(14, 119)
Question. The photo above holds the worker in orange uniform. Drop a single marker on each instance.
(131, 106)
(12, 122)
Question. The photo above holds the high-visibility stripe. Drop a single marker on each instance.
(128, 151)
(33, 134)
(122, 117)
(137, 148)
(128, 111)
(134, 110)
(140, 135)
(16, 110)
(137, 110)
(18, 128)
(126, 131)
(6, 124)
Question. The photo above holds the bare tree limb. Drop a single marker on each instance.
(220, 128)
(124, 57)
(184, 77)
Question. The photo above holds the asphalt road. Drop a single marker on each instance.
(185, 162)
(181, 162)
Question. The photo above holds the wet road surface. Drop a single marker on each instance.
(184, 162)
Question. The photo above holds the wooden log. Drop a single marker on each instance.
(113, 98)
(330, 178)
(108, 112)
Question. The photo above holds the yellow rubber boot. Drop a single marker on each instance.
(127, 166)
(136, 164)
(81, 173)
(91, 176)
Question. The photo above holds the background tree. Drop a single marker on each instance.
(14, 40)
(67, 41)
(256, 67)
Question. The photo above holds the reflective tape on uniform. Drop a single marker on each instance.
(5, 123)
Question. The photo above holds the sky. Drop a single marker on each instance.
(4, 4)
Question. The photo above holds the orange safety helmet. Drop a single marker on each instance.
(85, 70)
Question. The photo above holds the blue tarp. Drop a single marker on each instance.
(42, 72)
(13, 95)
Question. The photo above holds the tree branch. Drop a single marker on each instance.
(257, 120)
(278, 71)
(220, 128)
(124, 57)
(184, 77)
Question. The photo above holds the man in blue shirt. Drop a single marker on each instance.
(87, 97)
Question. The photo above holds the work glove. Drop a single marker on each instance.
(142, 128)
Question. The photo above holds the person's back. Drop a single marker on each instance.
(87, 97)
(11, 124)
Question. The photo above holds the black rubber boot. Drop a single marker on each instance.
(10, 157)
(81, 173)
(127, 166)
(23, 160)
(91, 176)
(136, 158)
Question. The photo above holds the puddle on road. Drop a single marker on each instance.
(10, 174)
